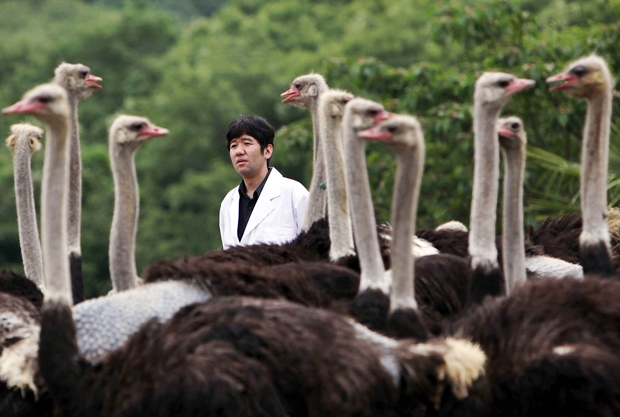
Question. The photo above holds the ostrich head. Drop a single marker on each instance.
(77, 79)
(305, 90)
(398, 132)
(333, 101)
(495, 88)
(47, 102)
(584, 77)
(363, 114)
(27, 131)
(132, 131)
(511, 132)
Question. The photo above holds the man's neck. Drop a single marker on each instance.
(251, 184)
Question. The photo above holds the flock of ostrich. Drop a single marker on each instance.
(350, 318)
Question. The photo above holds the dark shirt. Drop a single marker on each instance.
(246, 204)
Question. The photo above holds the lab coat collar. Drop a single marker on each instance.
(263, 207)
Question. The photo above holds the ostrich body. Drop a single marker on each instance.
(25, 140)
(589, 78)
(305, 92)
(127, 133)
(552, 350)
(79, 83)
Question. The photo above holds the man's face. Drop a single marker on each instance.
(246, 155)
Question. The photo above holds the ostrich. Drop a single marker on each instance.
(589, 78)
(492, 92)
(305, 92)
(552, 344)
(127, 133)
(331, 110)
(232, 355)
(512, 140)
(24, 140)
(79, 83)
(516, 266)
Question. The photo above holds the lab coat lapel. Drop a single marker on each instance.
(264, 206)
(234, 216)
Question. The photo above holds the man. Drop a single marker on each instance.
(265, 207)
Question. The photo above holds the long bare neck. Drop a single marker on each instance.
(484, 200)
(362, 213)
(125, 219)
(404, 207)
(26, 213)
(594, 170)
(53, 215)
(340, 228)
(75, 179)
(512, 218)
(316, 194)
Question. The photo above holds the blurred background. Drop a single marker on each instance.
(193, 65)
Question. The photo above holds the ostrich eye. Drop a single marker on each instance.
(579, 70)
(45, 99)
(136, 127)
(39, 137)
(297, 85)
(503, 83)
(83, 74)
(373, 112)
(515, 126)
(393, 129)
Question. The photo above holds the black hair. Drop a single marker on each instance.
(252, 125)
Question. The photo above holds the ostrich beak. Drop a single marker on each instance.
(373, 134)
(22, 107)
(381, 116)
(505, 133)
(520, 84)
(289, 95)
(92, 81)
(153, 132)
(567, 78)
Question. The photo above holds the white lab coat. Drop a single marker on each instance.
(278, 216)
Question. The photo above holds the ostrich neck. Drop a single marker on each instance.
(512, 217)
(484, 200)
(316, 197)
(75, 179)
(594, 169)
(410, 165)
(26, 213)
(125, 219)
(363, 214)
(53, 214)
(340, 229)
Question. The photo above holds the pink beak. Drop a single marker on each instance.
(520, 84)
(505, 132)
(22, 107)
(92, 81)
(153, 132)
(567, 78)
(383, 115)
(373, 134)
(289, 95)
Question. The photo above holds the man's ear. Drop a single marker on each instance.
(268, 151)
